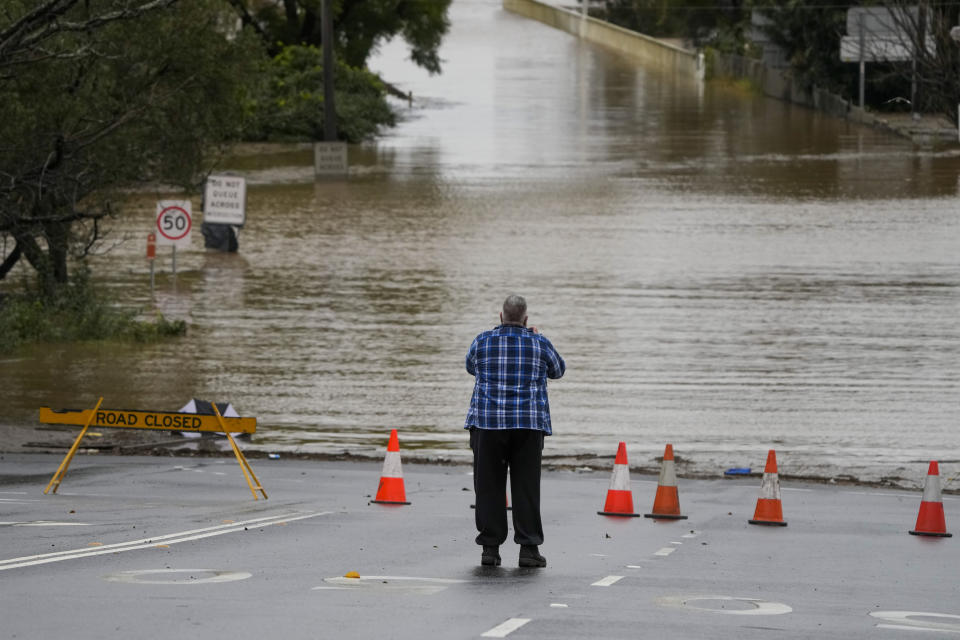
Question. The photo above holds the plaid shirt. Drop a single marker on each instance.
(511, 365)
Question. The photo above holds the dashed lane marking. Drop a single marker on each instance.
(665, 551)
(504, 629)
(558, 605)
(606, 582)
(148, 543)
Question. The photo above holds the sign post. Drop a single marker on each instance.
(151, 255)
(174, 224)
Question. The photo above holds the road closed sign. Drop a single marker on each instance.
(225, 200)
(174, 223)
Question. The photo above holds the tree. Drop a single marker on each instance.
(101, 95)
(809, 32)
(289, 102)
(931, 80)
(360, 26)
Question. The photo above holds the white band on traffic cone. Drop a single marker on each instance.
(931, 490)
(391, 465)
(668, 477)
(770, 487)
(620, 480)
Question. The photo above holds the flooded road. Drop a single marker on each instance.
(721, 271)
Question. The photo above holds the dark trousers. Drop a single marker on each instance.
(494, 452)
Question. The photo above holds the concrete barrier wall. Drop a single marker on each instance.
(649, 50)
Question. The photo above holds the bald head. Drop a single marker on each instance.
(514, 310)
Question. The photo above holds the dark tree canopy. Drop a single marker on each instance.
(97, 95)
(360, 26)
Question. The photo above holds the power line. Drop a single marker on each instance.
(763, 9)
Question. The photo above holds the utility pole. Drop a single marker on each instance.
(329, 108)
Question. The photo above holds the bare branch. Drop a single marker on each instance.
(44, 22)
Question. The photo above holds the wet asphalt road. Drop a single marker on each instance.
(177, 548)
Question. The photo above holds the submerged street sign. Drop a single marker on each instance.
(330, 158)
(225, 200)
(174, 223)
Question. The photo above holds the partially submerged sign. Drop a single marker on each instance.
(225, 200)
(330, 158)
(163, 420)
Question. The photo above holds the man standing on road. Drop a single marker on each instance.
(508, 418)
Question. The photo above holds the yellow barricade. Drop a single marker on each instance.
(163, 420)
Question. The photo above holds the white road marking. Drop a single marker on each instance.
(760, 607)
(674, 542)
(606, 582)
(409, 584)
(796, 489)
(504, 629)
(598, 555)
(665, 551)
(903, 627)
(903, 620)
(147, 543)
(634, 566)
(17, 500)
(45, 523)
(189, 576)
(557, 605)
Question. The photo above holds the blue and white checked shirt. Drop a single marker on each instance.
(511, 365)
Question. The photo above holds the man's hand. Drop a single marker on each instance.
(534, 329)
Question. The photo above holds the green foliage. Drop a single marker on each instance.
(360, 26)
(290, 105)
(125, 101)
(810, 34)
(75, 311)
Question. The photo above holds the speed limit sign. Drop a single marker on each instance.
(174, 223)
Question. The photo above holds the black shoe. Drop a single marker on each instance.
(491, 556)
(530, 556)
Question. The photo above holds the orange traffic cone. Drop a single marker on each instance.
(391, 489)
(769, 510)
(666, 504)
(619, 497)
(930, 521)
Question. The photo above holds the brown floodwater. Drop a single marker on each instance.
(721, 271)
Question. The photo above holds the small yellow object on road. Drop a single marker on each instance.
(352, 574)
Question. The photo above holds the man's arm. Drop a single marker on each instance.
(472, 359)
(555, 364)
